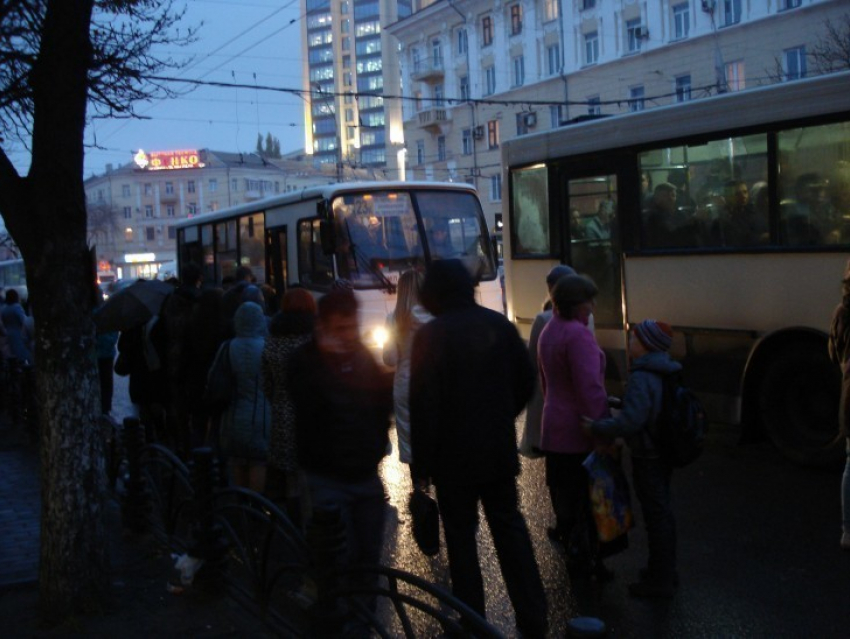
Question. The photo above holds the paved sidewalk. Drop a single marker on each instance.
(141, 569)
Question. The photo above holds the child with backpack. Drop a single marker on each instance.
(650, 364)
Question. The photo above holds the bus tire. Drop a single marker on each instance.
(798, 400)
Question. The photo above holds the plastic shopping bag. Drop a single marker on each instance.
(610, 500)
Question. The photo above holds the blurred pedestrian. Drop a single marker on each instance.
(530, 442)
(291, 328)
(343, 400)
(18, 332)
(404, 322)
(839, 352)
(246, 422)
(105, 347)
(572, 378)
(649, 363)
(470, 378)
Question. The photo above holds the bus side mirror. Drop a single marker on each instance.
(327, 237)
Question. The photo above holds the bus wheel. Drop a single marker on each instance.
(798, 398)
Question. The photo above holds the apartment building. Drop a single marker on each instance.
(478, 72)
(349, 65)
(132, 208)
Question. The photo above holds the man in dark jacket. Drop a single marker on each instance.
(470, 378)
(343, 401)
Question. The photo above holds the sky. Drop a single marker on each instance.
(248, 42)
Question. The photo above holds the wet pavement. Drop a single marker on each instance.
(758, 548)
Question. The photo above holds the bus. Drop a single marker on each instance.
(365, 233)
(729, 218)
(13, 275)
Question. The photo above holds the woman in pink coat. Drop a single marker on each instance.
(572, 378)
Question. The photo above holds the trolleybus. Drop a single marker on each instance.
(728, 217)
(366, 233)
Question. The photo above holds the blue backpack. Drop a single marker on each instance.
(679, 430)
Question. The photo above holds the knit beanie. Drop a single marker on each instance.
(557, 273)
(655, 336)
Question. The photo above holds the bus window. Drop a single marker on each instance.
(207, 253)
(314, 267)
(814, 185)
(530, 201)
(594, 251)
(225, 250)
(377, 237)
(706, 195)
(251, 248)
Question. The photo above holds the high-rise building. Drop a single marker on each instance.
(350, 64)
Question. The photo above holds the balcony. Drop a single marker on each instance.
(428, 71)
(434, 120)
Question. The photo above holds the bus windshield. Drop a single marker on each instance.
(381, 234)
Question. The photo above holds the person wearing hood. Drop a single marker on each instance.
(649, 343)
(291, 328)
(246, 423)
(404, 322)
(470, 379)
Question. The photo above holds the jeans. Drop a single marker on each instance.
(652, 487)
(845, 492)
(459, 512)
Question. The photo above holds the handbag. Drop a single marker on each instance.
(610, 502)
(220, 390)
(426, 522)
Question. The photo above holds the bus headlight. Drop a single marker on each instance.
(380, 336)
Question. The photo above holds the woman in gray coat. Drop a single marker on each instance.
(246, 423)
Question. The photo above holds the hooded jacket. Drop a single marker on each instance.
(641, 404)
(470, 378)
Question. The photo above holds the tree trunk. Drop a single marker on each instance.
(47, 217)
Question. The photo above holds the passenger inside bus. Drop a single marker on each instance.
(739, 224)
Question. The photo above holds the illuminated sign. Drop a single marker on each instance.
(135, 258)
(165, 160)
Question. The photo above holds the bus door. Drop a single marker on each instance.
(592, 245)
(277, 265)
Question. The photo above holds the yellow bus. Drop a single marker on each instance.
(728, 217)
(365, 233)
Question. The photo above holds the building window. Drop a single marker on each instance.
(213, 184)
(493, 134)
(795, 63)
(487, 31)
(128, 213)
(148, 188)
(490, 80)
(553, 59)
(464, 88)
(436, 54)
(100, 195)
(441, 148)
(591, 48)
(516, 19)
(681, 21)
(349, 115)
(521, 124)
(636, 95)
(462, 41)
(587, 4)
(683, 88)
(550, 10)
(518, 64)
(634, 35)
(496, 187)
(191, 209)
(125, 190)
(731, 11)
(466, 141)
(234, 184)
(169, 188)
(556, 115)
(148, 210)
(169, 210)
(190, 186)
(128, 235)
(150, 233)
(344, 26)
(735, 76)
(420, 151)
(789, 4)
(594, 106)
(347, 78)
(172, 233)
(439, 95)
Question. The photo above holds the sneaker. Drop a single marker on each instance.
(845, 540)
(651, 590)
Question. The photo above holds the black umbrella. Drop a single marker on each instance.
(132, 306)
